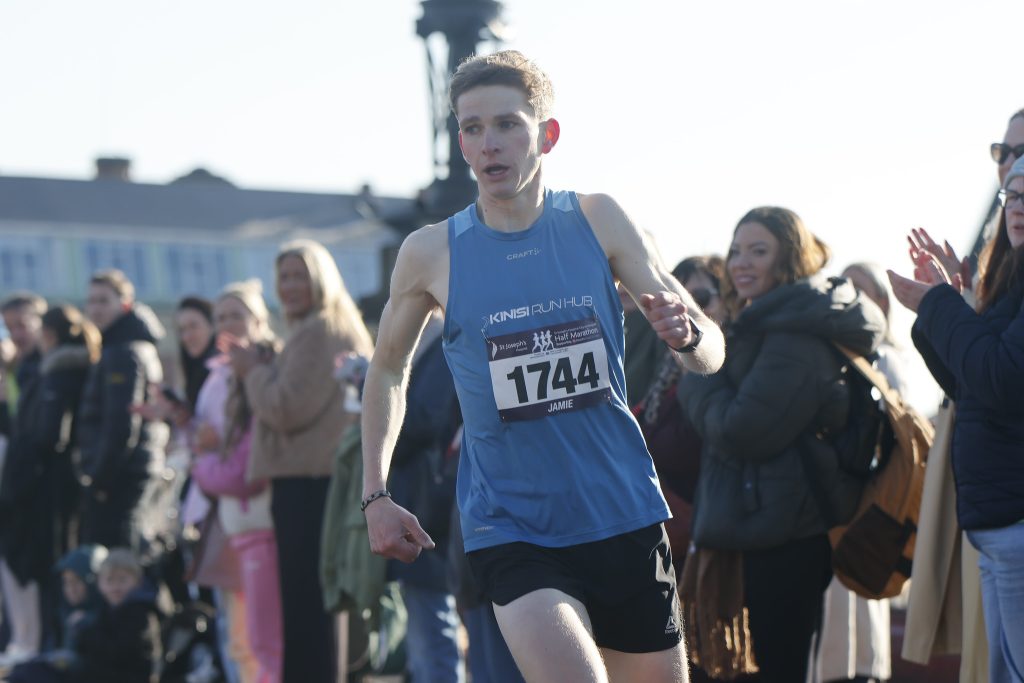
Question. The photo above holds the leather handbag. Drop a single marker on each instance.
(214, 563)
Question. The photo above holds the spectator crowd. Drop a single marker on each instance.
(198, 525)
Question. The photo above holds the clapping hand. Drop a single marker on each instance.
(244, 356)
(161, 408)
(932, 266)
(921, 244)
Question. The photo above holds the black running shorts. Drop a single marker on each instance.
(626, 583)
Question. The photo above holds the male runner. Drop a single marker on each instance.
(561, 508)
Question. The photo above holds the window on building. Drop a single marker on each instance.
(195, 269)
(128, 257)
(25, 264)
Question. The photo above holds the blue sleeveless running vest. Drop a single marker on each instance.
(551, 454)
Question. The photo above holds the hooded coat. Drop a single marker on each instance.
(764, 415)
(123, 644)
(115, 444)
(39, 488)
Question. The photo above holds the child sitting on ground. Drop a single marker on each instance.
(79, 608)
(123, 645)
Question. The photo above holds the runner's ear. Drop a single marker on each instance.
(551, 133)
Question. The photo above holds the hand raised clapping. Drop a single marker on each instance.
(933, 266)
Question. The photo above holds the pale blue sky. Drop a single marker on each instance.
(865, 117)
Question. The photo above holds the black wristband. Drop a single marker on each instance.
(697, 336)
(383, 493)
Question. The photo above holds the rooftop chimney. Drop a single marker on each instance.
(114, 168)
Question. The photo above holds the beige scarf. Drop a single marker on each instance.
(717, 623)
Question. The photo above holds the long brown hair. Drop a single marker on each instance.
(71, 328)
(801, 252)
(999, 264)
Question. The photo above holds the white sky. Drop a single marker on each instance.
(865, 117)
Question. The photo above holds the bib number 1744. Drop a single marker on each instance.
(563, 378)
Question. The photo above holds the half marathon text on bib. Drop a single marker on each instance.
(549, 370)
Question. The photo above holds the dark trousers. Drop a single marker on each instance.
(310, 654)
(784, 589)
(112, 520)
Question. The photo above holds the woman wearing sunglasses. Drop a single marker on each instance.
(978, 359)
(1007, 152)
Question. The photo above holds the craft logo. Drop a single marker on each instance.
(522, 254)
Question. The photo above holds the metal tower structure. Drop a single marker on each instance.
(451, 31)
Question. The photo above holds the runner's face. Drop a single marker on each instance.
(501, 139)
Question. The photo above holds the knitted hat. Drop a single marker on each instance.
(84, 560)
(1016, 171)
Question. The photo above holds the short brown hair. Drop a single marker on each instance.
(20, 300)
(508, 67)
(801, 252)
(116, 280)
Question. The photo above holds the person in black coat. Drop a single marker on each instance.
(19, 392)
(122, 453)
(422, 480)
(977, 357)
(765, 420)
(39, 488)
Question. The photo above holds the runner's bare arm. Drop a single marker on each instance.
(635, 262)
(395, 532)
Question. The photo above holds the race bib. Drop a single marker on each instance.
(549, 370)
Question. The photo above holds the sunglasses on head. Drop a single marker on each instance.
(1001, 150)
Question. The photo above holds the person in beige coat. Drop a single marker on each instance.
(299, 418)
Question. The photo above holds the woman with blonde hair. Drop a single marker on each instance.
(222, 441)
(298, 420)
(767, 421)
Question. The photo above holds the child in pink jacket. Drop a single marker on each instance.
(243, 508)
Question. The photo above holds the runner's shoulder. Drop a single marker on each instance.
(607, 219)
(422, 247)
(602, 211)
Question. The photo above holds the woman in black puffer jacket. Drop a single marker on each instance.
(765, 420)
(42, 486)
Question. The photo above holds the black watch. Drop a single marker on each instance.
(697, 336)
